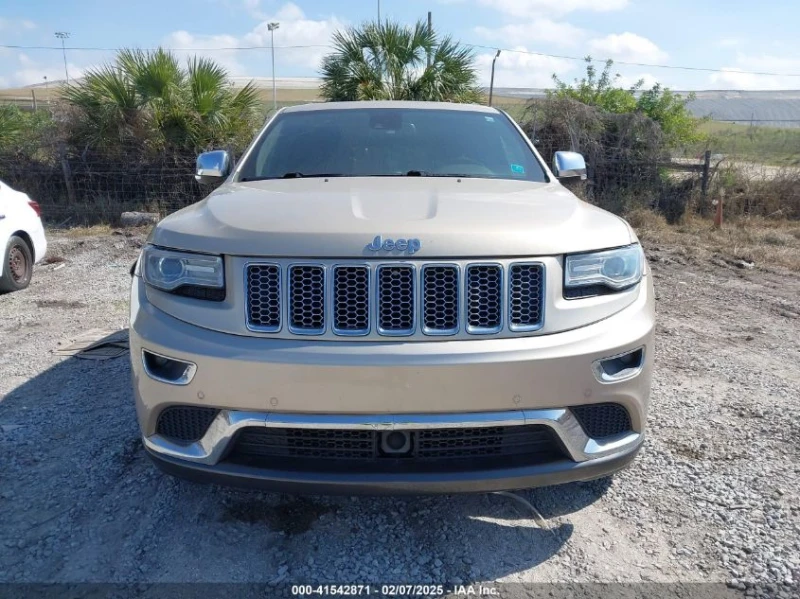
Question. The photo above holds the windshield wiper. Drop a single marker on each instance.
(429, 174)
(299, 175)
(291, 175)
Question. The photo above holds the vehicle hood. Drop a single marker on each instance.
(340, 217)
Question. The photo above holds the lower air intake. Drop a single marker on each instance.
(185, 423)
(429, 450)
(603, 420)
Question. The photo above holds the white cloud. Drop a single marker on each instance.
(309, 39)
(536, 8)
(627, 47)
(627, 81)
(253, 7)
(32, 72)
(732, 76)
(515, 69)
(14, 25)
(288, 12)
(300, 42)
(539, 30)
(197, 45)
(20, 69)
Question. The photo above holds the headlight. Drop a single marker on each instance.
(603, 272)
(192, 275)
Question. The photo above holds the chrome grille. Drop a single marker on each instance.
(440, 299)
(396, 300)
(307, 299)
(526, 288)
(264, 297)
(351, 300)
(484, 298)
(373, 299)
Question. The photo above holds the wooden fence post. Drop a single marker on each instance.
(718, 214)
(706, 172)
(33, 97)
(67, 176)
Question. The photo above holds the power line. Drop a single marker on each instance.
(97, 49)
(635, 64)
(481, 46)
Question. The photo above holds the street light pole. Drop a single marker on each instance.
(62, 35)
(272, 27)
(491, 83)
(379, 12)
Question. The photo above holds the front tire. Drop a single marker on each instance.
(17, 265)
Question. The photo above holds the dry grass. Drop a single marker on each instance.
(761, 241)
(81, 232)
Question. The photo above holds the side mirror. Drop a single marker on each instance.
(569, 164)
(212, 166)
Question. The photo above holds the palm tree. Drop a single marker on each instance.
(146, 97)
(387, 61)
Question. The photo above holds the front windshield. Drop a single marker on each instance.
(374, 142)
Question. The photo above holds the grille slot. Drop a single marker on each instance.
(396, 290)
(484, 298)
(351, 300)
(306, 443)
(307, 299)
(603, 420)
(185, 423)
(440, 309)
(488, 441)
(359, 450)
(526, 293)
(264, 297)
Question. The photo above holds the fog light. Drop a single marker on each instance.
(167, 370)
(620, 367)
(396, 442)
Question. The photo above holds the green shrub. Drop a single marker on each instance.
(148, 102)
(660, 104)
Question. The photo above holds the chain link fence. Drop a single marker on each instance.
(629, 166)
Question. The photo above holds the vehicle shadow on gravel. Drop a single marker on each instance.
(75, 476)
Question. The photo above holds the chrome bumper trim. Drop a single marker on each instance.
(210, 449)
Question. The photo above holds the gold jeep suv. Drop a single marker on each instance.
(391, 297)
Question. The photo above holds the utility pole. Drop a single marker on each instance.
(62, 35)
(272, 27)
(491, 83)
(379, 12)
(430, 29)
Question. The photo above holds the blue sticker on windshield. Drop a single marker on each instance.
(518, 168)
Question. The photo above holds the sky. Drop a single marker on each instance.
(735, 37)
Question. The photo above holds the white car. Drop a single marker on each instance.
(22, 240)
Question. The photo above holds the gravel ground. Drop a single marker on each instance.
(714, 496)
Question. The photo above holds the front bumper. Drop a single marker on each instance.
(330, 483)
(266, 382)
